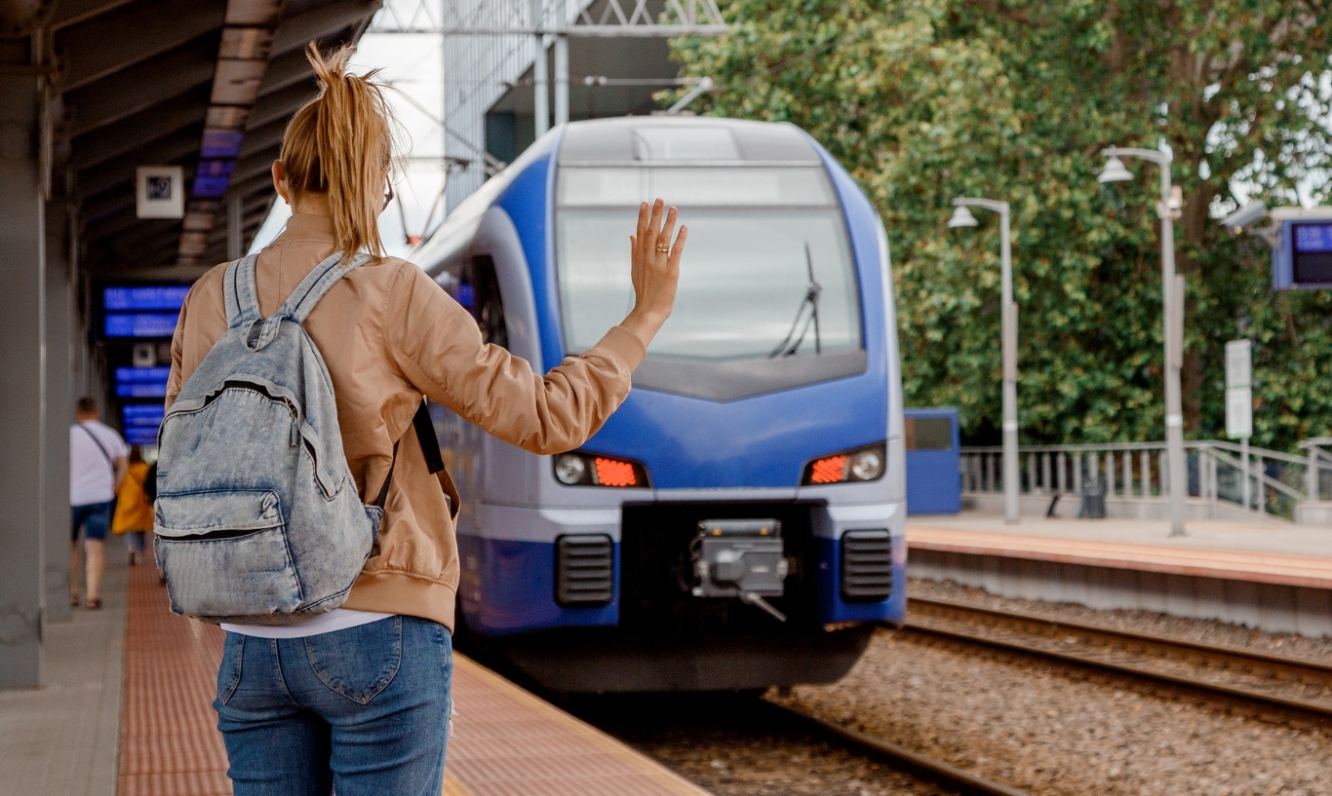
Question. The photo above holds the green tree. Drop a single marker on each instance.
(929, 100)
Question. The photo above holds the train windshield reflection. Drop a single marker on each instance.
(746, 273)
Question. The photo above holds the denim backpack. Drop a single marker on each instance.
(257, 517)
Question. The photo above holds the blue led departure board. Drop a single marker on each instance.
(141, 421)
(1313, 254)
(140, 299)
(1303, 258)
(140, 324)
(142, 382)
(141, 311)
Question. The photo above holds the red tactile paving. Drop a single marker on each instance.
(1245, 565)
(169, 744)
(507, 742)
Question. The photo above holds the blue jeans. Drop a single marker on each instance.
(364, 710)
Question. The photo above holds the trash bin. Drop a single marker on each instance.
(1093, 501)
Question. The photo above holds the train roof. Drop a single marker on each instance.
(662, 140)
(655, 140)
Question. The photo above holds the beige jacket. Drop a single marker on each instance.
(389, 334)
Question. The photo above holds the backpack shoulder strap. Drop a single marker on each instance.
(238, 288)
(318, 282)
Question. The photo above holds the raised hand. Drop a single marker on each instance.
(655, 268)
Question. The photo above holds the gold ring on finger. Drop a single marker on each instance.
(663, 249)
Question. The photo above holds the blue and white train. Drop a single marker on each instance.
(738, 523)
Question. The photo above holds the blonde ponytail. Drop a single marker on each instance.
(341, 144)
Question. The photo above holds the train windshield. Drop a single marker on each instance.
(767, 273)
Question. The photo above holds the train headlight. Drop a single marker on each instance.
(866, 465)
(570, 469)
(861, 464)
(590, 469)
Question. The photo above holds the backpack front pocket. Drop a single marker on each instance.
(226, 554)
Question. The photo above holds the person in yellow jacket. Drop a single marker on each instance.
(134, 511)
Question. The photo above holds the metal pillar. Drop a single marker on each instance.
(1245, 496)
(561, 80)
(1174, 478)
(59, 412)
(540, 78)
(235, 225)
(1008, 319)
(22, 337)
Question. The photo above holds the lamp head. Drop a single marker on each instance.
(962, 217)
(1114, 171)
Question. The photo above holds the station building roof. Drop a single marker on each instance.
(208, 85)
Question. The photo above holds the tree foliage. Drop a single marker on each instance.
(928, 100)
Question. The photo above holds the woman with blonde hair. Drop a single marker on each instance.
(357, 699)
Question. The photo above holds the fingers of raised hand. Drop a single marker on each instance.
(667, 230)
(677, 248)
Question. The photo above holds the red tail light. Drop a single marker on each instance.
(828, 471)
(611, 472)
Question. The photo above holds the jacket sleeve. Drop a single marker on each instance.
(177, 379)
(438, 346)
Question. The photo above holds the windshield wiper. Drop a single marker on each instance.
(803, 320)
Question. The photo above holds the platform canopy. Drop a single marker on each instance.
(207, 85)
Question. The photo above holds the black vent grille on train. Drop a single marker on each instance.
(584, 570)
(867, 566)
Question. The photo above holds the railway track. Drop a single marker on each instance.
(1278, 687)
(949, 776)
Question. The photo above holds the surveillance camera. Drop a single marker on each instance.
(1247, 216)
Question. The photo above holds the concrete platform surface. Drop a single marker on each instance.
(1274, 579)
(61, 739)
(1290, 539)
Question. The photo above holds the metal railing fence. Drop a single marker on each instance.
(1265, 481)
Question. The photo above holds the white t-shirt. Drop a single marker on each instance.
(92, 479)
(337, 619)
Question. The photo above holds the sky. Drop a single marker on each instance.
(411, 64)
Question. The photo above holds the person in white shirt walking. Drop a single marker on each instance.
(97, 464)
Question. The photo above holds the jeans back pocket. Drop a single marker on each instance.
(358, 662)
(229, 672)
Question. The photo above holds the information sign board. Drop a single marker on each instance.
(142, 382)
(1302, 252)
(141, 422)
(1239, 390)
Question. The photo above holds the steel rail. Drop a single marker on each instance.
(1277, 668)
(946, 774)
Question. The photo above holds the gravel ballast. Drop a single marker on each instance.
(733, 745)
(1055, 729)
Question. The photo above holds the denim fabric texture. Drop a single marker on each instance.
(93, 518)
(258, 520)
(363, 711)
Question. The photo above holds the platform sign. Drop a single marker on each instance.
(1239, 389)
(1302, 254)
(159, 192)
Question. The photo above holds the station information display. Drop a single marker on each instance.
(1303, 258)
(140, 422)
(142, 382)
(141, 311)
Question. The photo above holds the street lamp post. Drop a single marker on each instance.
(1008, 318)
(1172, 293)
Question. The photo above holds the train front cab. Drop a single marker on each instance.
(584, 570)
